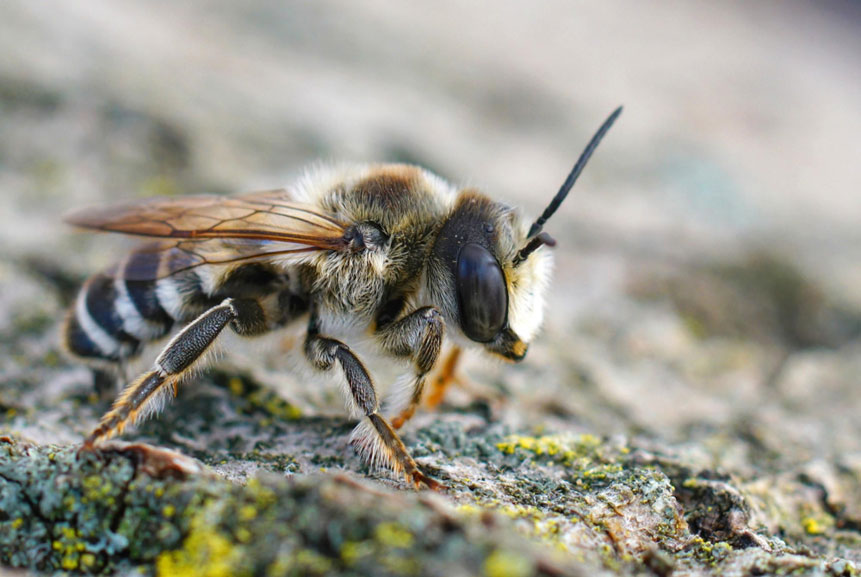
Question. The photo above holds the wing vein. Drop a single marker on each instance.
(214, 230)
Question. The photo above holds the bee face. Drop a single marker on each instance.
(485, 285)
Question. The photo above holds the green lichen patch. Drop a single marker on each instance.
(565, 500)
(251, 398)
(112, 510)
(581, 494)
(532, 505)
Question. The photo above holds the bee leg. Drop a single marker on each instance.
(445, 377)
(146, 394)
(104, 383)
(374, 437)
(419, 337)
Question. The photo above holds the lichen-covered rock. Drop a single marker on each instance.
(135, 506)
(530, 505)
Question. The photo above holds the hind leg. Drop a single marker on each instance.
(104, 382)
(145, 395)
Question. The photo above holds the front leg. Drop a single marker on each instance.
(374, 437)
(446, 376)
(417, 336)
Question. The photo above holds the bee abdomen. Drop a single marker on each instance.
(95, 328)
(112, 317)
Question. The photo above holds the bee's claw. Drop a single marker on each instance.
(88, 449)
(420, 480)
(401, 419)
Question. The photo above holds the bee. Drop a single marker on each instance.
(391, 251)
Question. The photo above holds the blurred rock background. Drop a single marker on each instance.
(706, 301)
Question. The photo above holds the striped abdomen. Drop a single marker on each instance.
(114, 317)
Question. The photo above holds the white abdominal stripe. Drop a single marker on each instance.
(113, 317)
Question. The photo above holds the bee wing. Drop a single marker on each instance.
(215, 230)
(263, 216)
(163, 258)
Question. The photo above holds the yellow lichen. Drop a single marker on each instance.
(566, 450)
(274, 405)
(352, 551)
(243, 535)
(393, 535)
(709, 552)
(303, 562)
(506, 564)
(236, 386)
(400, 565)
(532, 520)
(88, 560)
(263, 496)
(247, 512)
(468, 509)
(812, 526)
(205, 552)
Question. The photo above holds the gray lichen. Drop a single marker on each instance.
(583, 504)
(135, 506)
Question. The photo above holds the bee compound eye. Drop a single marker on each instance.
(481, 293)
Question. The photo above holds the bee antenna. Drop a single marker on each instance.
(540, 239)
(575, 172)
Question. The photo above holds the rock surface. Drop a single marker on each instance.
(692, 407)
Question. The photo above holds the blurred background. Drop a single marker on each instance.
(707, 276)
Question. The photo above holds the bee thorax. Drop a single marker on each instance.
(365, 236)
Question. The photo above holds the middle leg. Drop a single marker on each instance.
(374, 437)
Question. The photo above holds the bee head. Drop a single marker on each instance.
(486, 269)
(479, 279)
